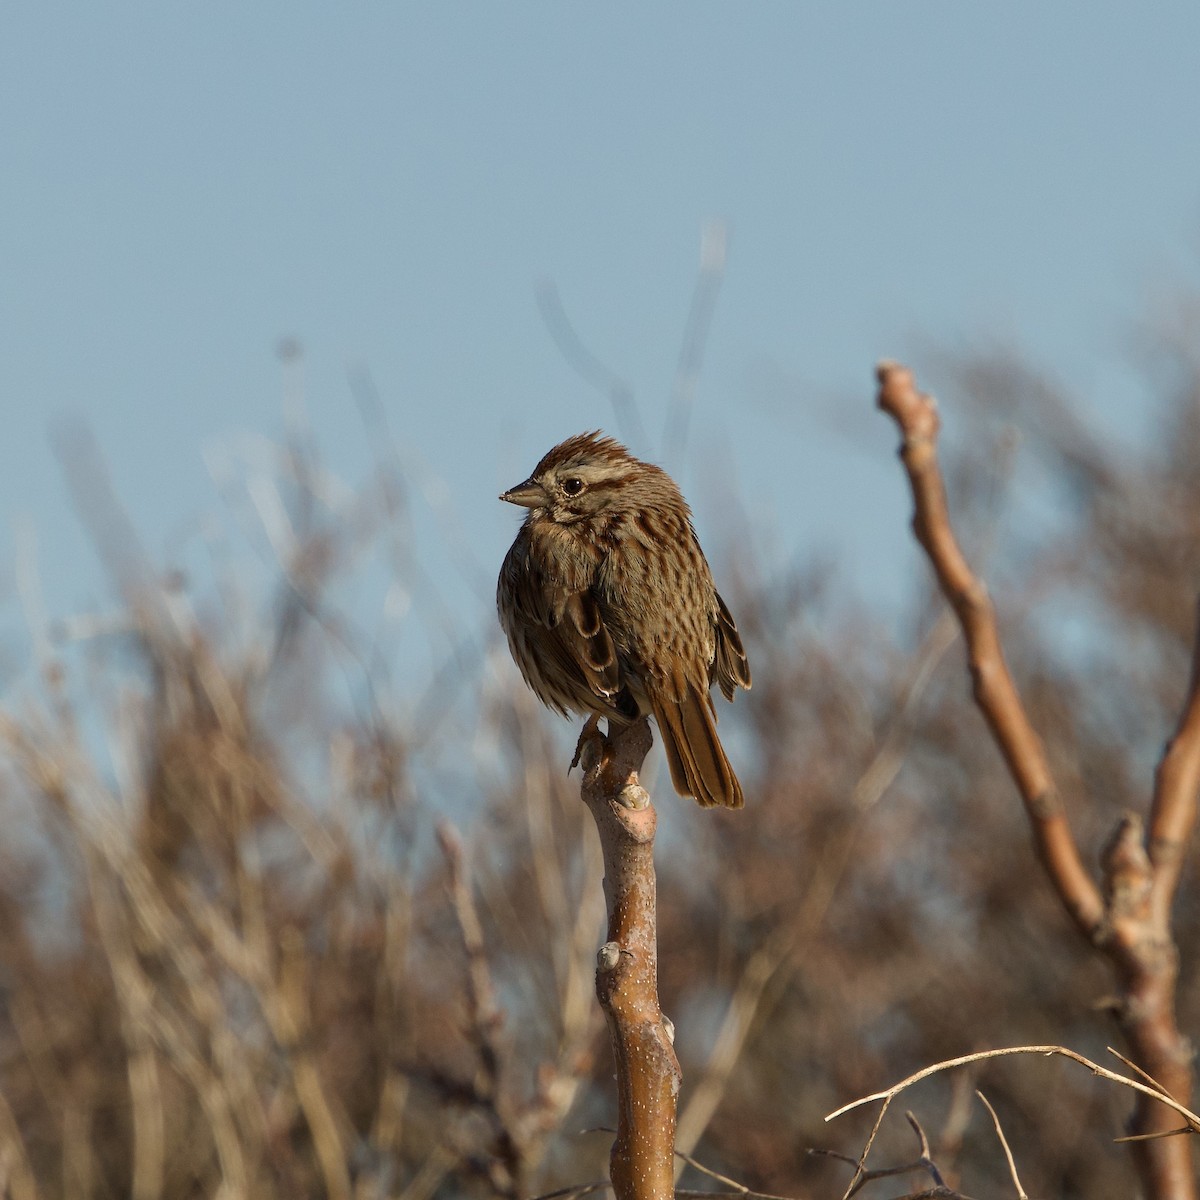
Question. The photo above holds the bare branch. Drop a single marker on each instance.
(1154, 1091)
(1130, 919)
(1012, 1166)
(926, 1159)
(994, 689)
(648, 1075)
(862, 1176)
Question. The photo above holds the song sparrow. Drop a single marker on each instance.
(610, 610)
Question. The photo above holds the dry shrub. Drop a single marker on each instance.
(238, 961)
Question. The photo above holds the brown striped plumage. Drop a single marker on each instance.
(609, 606)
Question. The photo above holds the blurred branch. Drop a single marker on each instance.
(648, 1075)
(16, 1173)
(771, 958)
(506, 1169)
(401, 478)
(133, 991)
(714, 247)
(99, 509)
(133, 919)
(572, 914)
(587, 365)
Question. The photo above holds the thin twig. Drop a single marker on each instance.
(1012, 1166)
(861, 1174)
(889, 1094)
(739, 1189)
(926, 1157)
(575, 1189)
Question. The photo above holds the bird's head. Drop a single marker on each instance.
(583, 477)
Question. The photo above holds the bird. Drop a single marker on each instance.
(610, 610)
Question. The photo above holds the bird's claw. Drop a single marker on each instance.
(593, 747)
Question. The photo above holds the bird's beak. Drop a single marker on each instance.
(529, 494)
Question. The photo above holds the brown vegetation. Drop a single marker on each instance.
(238, 960)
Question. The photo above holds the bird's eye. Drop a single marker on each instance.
(572, 486)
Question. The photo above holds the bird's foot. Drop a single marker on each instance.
(593, 748)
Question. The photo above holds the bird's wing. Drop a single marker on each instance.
(564, 628)
(731, 667)
(590, 644)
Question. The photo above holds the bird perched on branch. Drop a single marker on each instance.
(610, 610)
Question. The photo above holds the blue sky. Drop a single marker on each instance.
(185, 185)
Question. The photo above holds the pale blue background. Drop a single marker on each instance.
(181, 186)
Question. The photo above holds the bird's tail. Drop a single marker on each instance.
(695, 755)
